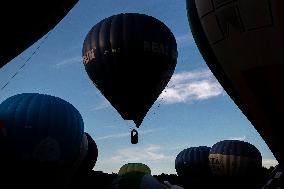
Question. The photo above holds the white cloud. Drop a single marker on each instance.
(119, 135)
(185, 38)
(149, 153)
(269, 162)
(73, 60)
(123, 135)
(101, 105)
(243, 138)
(185, 87)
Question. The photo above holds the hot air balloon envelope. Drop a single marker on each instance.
(242, 43)
(130, 58)
(25, 22)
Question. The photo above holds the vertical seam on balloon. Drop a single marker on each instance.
(71, 125)
(19, 105)
(79, 123)
(49, 112)
(29, 109)
(237, 9)
(10, 106)
(40, 108)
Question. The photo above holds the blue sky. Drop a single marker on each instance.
(193, 110)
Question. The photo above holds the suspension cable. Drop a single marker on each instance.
(27, 60)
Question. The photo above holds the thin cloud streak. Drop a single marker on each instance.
(149, 153)
(101, 105)
(186, 87)
(123, 135)
(69, 61)
(243, 138)
(185, 38)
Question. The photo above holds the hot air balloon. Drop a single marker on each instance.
(130, 58)
(241, 42)
(234, 158)
(137, 180)
(90, 159)
(42, 137)
(135, 176)
(134, 167)
(193, 162)
(84, 147)
(25, 22)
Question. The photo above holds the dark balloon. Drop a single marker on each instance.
(25, 22)
(82, 155)
(39, 129)
(130, 58)
(242, 43)
(234, 158)
(193, 162)
(91, 156)
(136, 180)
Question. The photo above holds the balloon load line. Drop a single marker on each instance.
(27, 60)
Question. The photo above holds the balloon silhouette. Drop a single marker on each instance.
(25, 22)
(136, 180)
(39, 129)
(242, 43)
(91, 156)
(234, 158)
(78, 164)
(193, 162)
(130, 58)
(276, 179)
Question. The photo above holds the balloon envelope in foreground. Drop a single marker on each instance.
(134, 167)
(276, 179)
(136, 180)
(234, 158)
(242, 43)
(91, 156)
(25, 22)
(193, 162)
(130, 58)
(40, 129)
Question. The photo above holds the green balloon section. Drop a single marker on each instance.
(136, 176)
(134, 167)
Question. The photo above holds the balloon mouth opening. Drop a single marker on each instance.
(137, 121)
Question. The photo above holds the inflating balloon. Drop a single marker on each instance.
(25, 22)
(234, 158)
(242, 43)
(130, 58)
